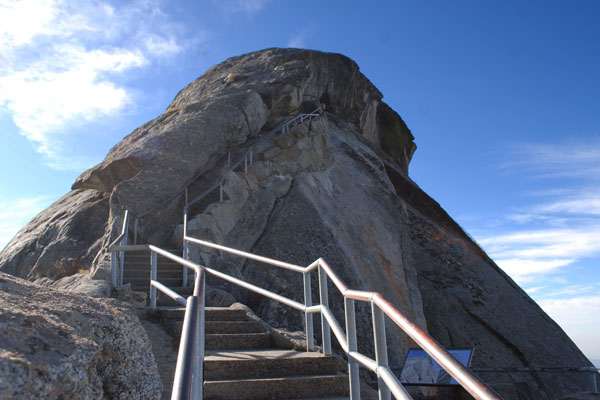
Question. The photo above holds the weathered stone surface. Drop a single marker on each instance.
(56, 344)
(61, 240)
(78, 283)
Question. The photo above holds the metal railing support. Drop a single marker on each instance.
(182, 384)
(251, 155)
(123, 243)
(114, 262)
(353, 376)
(221, 192)
(197, 379)
(135, 230)
(325, 330)
(246, 163)
(153, 276)
(121, 267)
(228, 159)
(381, 355)
(184, 271)
(308, 318)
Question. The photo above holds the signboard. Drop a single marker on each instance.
(420, 369)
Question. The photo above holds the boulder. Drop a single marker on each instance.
(58, 344)
(60, 241)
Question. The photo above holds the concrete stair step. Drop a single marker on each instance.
(228, 365)
(146, 267)
(216, 327)
(210, 313)
(238, 341)
(145, 274)
(144, 282)
(164, 300)
(290, 387)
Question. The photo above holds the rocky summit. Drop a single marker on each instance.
(335, 186)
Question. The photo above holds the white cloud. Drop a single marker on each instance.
(524, 270)
(533, 290)
(580, 318)
(583, 203)
(61, 61)
(15, 215)
(562, 224)
(580, 160)
(298, 40)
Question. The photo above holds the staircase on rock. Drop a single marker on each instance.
(242, 361)
(169, 273)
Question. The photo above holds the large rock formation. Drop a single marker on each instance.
(335, 187)
(56, 344)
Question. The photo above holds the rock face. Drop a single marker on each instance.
(61, 240)
(57, 344)
(335, 187)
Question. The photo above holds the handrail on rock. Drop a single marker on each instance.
(388, 382)
(247, 159)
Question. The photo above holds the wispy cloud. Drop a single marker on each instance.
(16, 214)
(236, 6)
(579, 160)
(561, 226)
(62, 62)
(299, 39)
(580, 318)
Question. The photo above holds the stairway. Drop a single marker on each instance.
(242, 361)
(169, 273)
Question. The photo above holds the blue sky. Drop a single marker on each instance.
(503, 99)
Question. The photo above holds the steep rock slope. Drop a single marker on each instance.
(335, 187)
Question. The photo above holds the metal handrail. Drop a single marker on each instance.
(116, 277)
(187, 383)
(388, 382)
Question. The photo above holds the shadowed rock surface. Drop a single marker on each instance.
(56, 344)
(335, 187)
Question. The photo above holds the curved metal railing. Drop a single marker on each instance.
(388, 382)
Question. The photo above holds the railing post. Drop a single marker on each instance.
(228, 159)
(221, 192)
(353, 377)
(308, 318)
(124, 243)
(122, 264)
(199, 347)
(135, 230)
(153, 265)
(250, 155)
(183, 379)
(325, 330)
(184, 271)
(113, 268)
(381, 355)
(246, 163)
